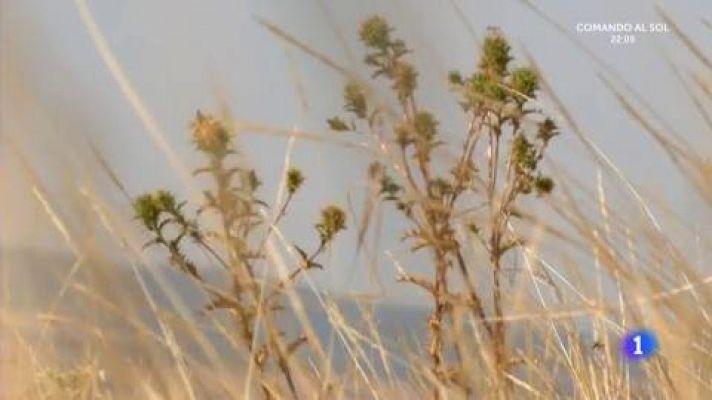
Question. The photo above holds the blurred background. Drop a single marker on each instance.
(126, 78)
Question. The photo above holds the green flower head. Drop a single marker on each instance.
(333, 220)
(495, 55)
(295, 178)
(165, 200)
(525, 81)
(149, 206)
(355, 99)
(146, 210)
(426, 126)
(547, 130)
(544, 185)
(209, 135)
(375, 32)
(455, 78)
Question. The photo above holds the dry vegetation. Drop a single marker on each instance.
(531, 283)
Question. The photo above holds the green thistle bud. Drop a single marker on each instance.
(425, 126)
(209, 135)
(455, 78)
(146, 211)
(525, 81)
(333, 220)
(165, 200)
(495, 55)
(355, 99)
(547, 130)
(295, 178)
(375, 32)
(149, 206)
(544, 185)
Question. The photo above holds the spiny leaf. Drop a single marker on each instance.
(337, 124)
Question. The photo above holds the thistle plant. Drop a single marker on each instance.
(237, 245)
(157, 211)
(499, 162)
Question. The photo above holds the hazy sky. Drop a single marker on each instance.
(181, 55)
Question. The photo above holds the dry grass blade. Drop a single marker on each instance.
(130, 93)
(686, 40)
(280, 33)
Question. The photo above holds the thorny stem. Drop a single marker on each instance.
(499, 334)
(305, 265)
(440, 288)
(245, 278)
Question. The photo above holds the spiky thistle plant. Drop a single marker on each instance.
(237, 244)
(499, 160)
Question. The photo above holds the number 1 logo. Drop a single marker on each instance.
(639, 345)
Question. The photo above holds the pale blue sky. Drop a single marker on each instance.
(180, 55)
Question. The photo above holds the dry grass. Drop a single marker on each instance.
(586, 263)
